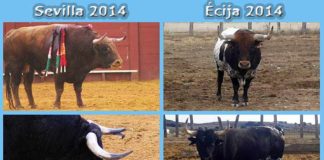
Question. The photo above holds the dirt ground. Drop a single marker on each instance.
(107, 95)
(286, 79)
(142, 135)
(176, 150)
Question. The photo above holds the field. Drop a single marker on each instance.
(287, 78)
(104, 95)
(142, 135)
(176, 150)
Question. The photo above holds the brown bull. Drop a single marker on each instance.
(26, 51)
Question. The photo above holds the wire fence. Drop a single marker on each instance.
(293, 131)
(279, 27)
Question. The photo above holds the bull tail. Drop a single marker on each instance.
(8, 90)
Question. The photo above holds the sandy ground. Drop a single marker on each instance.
(287, 78)
(182, 150)
(142, 135)
(108, 95)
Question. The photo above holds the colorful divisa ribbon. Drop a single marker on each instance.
(60, 59)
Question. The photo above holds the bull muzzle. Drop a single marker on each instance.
(244, 64)
(117, 63)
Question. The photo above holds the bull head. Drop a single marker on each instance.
(245, 40)
(94, 147)
(194, 132)
(107, 52)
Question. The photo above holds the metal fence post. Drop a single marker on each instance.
(177, 125)
(304, 28)
(316, 127)
(261, 119)
(164, 127)
(191, 25)
(275, 119)
(301, 126)
(191, 121)
(221, 27)
(250, 25)
(278, 27)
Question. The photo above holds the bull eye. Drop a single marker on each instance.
(104, 49)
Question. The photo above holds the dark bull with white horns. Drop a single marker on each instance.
(28, 49)
(51, 137)
(237, 52)
(254, 143)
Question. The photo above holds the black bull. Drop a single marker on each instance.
(237, 52)
(52, 137)
(255, 143)
(26, 51)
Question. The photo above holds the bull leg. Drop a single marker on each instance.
(245, 91)
(236, 86)
(59, 88)
(15, 81)
(220, 77)
(78, 90)
(28, 80)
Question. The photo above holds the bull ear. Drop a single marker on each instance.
(258, 44)
(192, 140)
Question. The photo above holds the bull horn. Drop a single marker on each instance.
(220, 133)
(262, 37)
(94, 147)
(112, 131)
(99, 39)
(190, 132)
(116, 39)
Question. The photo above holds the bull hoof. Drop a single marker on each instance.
(219, 98)
(57, 106)
(19, 107)
(244, 104)
(81, 105)
(33, 106)
(235, 105)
